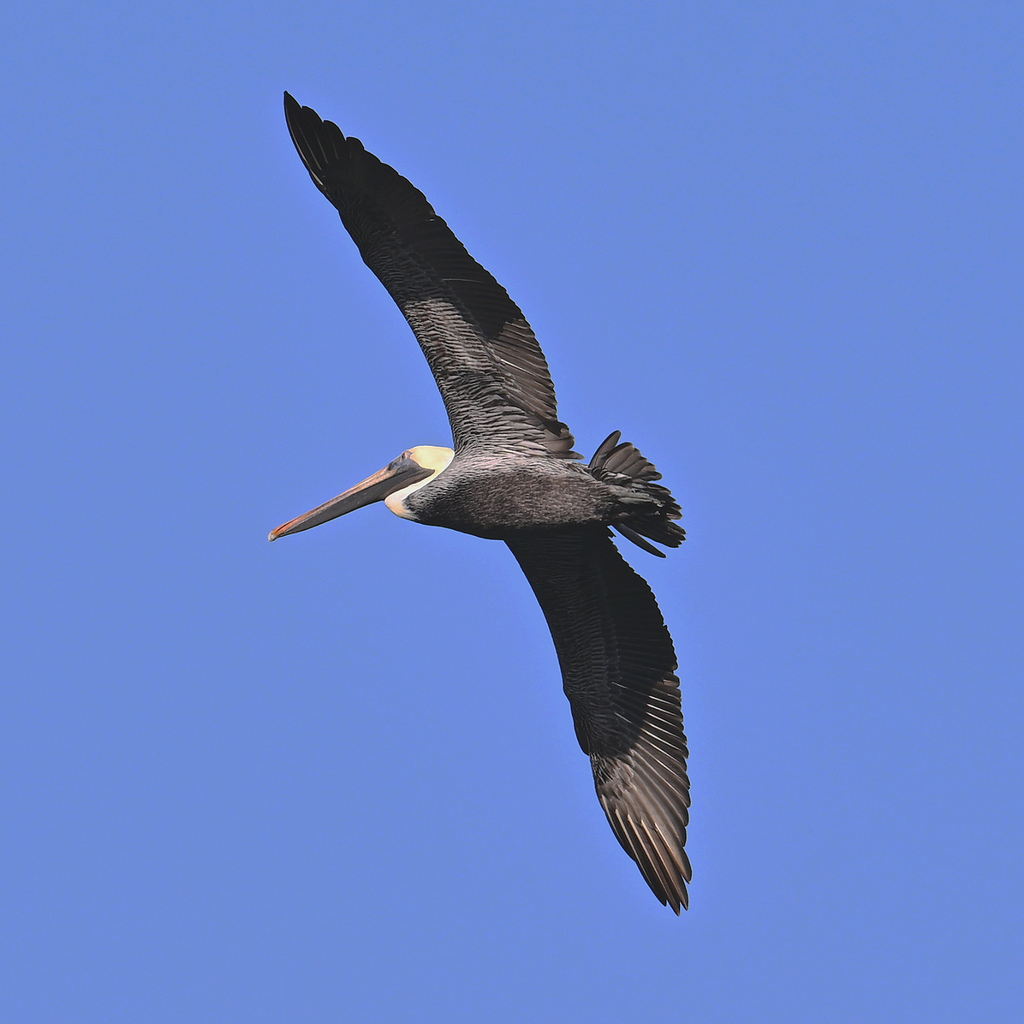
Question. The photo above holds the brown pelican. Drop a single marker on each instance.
(511, 477)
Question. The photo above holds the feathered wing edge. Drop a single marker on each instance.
(482, 352)
(618, 668)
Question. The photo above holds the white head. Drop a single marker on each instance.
(428, 457)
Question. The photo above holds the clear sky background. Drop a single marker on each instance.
(335, 778)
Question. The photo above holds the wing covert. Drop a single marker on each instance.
(618, 668)
(482, 352)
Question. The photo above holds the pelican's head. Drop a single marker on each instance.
(412, 470)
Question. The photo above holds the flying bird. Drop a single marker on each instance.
(512, 475)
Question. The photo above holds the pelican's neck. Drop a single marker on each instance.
(429, 457)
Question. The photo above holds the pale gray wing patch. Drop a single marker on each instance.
(489, 403)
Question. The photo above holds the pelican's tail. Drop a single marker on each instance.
(623, 465)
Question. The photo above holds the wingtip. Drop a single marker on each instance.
(291, 106)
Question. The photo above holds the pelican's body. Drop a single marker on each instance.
(512, 476)
(496, 498)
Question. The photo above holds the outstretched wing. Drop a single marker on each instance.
(618, 667)
(483, 354)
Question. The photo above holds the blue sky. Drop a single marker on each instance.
(778, 246)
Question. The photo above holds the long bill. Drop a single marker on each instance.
(400, 473)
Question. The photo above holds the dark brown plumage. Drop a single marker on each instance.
(618, 670)
(479, 346)
(512, 477)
